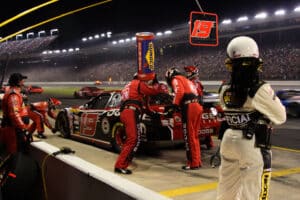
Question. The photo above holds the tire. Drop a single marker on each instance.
(118, 137)
(105, 125)
(62, 124)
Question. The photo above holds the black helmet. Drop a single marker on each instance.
(170, 73)
(15, 79)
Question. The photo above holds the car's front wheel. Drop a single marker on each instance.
(62, 124)
(118, 136)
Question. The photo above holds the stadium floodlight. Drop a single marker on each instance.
(44, 52)
(242, 19)
(108, 33)
(102, 34)
(168, 32)
(133, 38)
(261, 15)
(29, 35)
(50, 52)
(42, 33)
(54, 31)
(96, 36)
(64, 50)
(77, 49)
(226, 21)
(159, 34)
(70, 50)
(297, 9)
(121, 41)
(279, 12)
(114, 42)
(84, 39)
(90, 37)
(127, 40)
(19, 37)
(57, 51)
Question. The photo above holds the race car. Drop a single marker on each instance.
(98, 121)
(290, 98)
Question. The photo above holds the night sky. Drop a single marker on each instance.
(126, 15)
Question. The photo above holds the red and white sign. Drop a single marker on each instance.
(203, 29)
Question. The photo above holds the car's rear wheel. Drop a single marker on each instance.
(62, 124)
(118, 136)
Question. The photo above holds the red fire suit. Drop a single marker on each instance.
(186, 97)
(208, 140)
(38, 114)
(15, 121)
(132, 99)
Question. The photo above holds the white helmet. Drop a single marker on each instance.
(242, 47)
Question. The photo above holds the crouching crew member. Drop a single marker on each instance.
(131, 106)
(38, 112)
(250, 106)
(186, 100)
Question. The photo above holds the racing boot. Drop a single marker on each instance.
(41, 135)
(123, 171)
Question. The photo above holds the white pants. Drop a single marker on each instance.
(241, 168)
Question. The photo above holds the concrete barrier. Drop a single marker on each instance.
(68, 177)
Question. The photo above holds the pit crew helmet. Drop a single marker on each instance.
(54, 102)
(243, 51)
(191, 72)
(170, 73)
(243, 61)
(15, 78)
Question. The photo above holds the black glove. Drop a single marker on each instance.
(172, 108)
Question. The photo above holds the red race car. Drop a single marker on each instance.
(88, 92)
(98, 121)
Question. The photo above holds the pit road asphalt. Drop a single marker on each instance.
(159, 168)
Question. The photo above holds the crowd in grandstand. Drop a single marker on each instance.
(279, 51)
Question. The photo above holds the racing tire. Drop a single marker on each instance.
(105, 125)
(62, 124)
(118, 137)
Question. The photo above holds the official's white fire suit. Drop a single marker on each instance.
(241, 170)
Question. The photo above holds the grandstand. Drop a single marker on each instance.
(277, 38)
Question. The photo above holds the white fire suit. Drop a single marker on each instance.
(241, 170)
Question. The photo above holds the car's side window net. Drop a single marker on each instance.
(100, 102)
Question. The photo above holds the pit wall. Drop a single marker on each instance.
(68, 177)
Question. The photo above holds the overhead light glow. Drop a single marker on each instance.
(159, 34)
(226, 21)
(279, 12)
(262, 15)
(241, 19)
(168, 32)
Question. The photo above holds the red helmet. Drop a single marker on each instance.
(191, 71)
(54, 101)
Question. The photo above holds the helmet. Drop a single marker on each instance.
(54, 101)
(170, 73)
(191, 71)
(243, 52)
(15, 79)
(242, 47)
